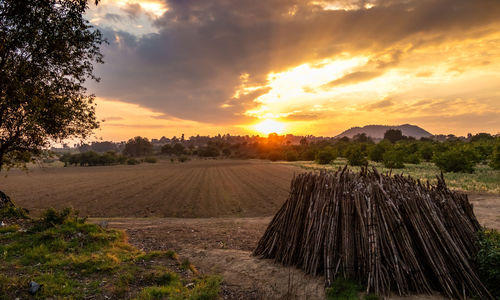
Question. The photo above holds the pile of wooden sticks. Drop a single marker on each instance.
(385, 232)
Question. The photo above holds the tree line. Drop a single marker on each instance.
(394, 151)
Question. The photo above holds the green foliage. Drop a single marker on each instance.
(291, 155)
(495, 156)
(393, 135)
(324, 157)
(342, 289)
(133, 161)
(43, 71)
(138, 146)
(377, 152)
(12, 212)
(455, 160)
(393, 159)
(91, 158)
(412, 159)
(208, 151)
(426, 151)
(488, 260)
(275, 156)
(356, 157)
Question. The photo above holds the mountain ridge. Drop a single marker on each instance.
(377, 131)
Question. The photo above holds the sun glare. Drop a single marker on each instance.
(270, 126)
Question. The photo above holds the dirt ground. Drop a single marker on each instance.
(224, 245)
(198, 188)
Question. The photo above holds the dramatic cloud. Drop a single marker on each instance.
(212, 60)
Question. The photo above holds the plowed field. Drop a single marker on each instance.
(199, 188)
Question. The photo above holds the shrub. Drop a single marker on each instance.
(495, 157)
(413, 159)
(356, 157)
(394, 159)
(150, 159)
(291, 155)
(377, 152)
(454, 160)
(308, 155)
(488, 260)
(342, 289)
(132, 161)
(426, 151)
(275, 155)
(324, 157)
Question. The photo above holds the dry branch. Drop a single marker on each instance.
(386, 232)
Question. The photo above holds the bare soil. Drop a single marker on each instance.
(199, 188)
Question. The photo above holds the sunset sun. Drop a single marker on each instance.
(269, 126)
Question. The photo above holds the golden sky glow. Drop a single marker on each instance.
(209, 67)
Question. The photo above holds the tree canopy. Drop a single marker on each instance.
(47, 51)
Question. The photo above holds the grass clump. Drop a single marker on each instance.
(73, 259)
(342, 289)
(488, 260)
(12, 212)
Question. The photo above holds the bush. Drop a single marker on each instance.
(377, 152)
(488, 260)
(356, 157)
(454, 160)
(132, 161)
(342, 289)
(413, 159)
(150, 159)
(325, 157)
(291, 155)
(275, 155)
(394, 159)
(426, 151)
(495, 157)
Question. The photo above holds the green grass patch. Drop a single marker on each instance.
(484, 178)
(488, 260)
(75, 260)
(343, 289)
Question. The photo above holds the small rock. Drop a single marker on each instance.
(34, 287)
(190, 285)
(2, 224)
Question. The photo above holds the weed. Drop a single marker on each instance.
(342, 289)
(488, 260)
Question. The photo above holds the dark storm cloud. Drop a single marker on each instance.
(193, 64)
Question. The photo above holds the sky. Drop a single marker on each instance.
(301, 67)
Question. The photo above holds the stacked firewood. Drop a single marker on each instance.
(389, 233)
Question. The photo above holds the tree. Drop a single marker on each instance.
(47, 49)
(325, 157)
(138, 146)
(495, 156)
(455, 160)
(393, 135)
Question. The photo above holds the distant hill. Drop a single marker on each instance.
(377, 131)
